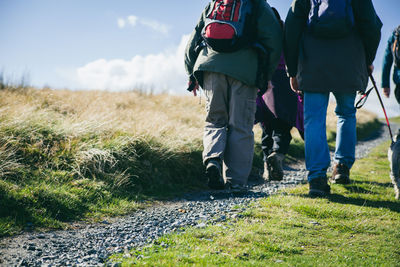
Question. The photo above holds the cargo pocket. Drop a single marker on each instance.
(250, 112)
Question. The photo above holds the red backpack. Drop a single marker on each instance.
(228, 25)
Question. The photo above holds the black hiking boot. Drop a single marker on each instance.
(319, 187)
(214, 175)
(274, 164)
(341, 174)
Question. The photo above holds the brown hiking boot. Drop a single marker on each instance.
(341, 174)
(274, 164)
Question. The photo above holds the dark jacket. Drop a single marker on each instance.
(387, 64)
(241, 65)
(331, 65)
(281, 100)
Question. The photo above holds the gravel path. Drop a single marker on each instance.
(90, 245)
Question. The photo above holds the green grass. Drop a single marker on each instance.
(358, 225)
(52, 174)
(70, 156)
(56, 181)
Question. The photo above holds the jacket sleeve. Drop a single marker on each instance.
(270, 36)
(295, 24)
(387, 63)
(369, 26)
(194, 40)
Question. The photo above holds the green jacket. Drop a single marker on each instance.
(241, 65)
(331, 65)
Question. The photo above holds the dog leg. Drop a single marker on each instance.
(394, 159)
(396, 184)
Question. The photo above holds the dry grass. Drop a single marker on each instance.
(82, 112)
(137, 114)
(67, 155)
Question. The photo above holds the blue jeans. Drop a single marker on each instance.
(316, 145)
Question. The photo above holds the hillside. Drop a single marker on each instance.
(72, 155)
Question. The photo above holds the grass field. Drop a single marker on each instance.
(358, 225)
(68, 156)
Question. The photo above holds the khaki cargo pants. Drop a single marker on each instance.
(228, 132)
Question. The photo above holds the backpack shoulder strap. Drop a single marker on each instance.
(396, 39)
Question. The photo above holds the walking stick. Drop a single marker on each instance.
(380, 100)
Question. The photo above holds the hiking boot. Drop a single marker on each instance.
(267, 171)
(214, 175)
(341, 174)
(274, 162)
(319, 187)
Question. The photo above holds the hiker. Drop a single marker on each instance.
(276, 114)
(392, 57)
(329, 48)
(230, 70)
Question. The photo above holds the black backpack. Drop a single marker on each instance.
(396, 48)
(229, 25)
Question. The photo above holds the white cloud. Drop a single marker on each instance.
(121, 23)
(155, 25)
(133, 21)
(161, 72)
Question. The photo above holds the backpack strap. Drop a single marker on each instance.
(396, 39)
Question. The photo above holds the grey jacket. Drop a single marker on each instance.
(241, 65)
(331, 65)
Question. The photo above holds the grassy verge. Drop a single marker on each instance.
(356, 226)
(68, 156)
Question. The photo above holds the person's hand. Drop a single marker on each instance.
(370, 69)
(386, 91)
(196, 87)
(294, 85)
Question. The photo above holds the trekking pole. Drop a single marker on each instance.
(380, 100)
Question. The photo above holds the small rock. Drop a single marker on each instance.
(201, 225)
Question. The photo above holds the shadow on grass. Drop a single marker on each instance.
(391, 205)
(353, 188)
(375, 183)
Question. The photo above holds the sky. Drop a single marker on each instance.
(121, 44)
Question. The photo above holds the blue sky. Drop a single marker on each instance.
(115, 45)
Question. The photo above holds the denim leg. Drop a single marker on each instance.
(316, 145)
(346, 137)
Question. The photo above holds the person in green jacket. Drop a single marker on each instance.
(330, 59)
(389, 60)
(230, 83)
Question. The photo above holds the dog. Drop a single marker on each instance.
(394, 159)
